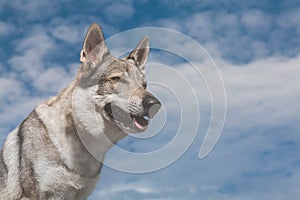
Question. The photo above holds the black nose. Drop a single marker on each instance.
(151, 105)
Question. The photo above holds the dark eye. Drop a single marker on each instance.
(115, 78)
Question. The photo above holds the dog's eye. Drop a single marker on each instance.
(115, 78)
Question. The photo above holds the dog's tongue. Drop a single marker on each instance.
(140, 123)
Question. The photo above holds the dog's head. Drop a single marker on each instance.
(116, 86)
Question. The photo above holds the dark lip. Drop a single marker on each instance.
(123, 117)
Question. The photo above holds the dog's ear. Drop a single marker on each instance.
(94, 47)
(140, 54)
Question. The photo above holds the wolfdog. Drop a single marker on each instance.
(57, 151)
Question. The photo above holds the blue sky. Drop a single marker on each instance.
(255, 45)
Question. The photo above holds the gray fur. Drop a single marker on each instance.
(47, 157)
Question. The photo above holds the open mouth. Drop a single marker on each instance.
(118, 115)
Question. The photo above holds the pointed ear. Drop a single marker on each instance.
(94, 47)
(140, 54)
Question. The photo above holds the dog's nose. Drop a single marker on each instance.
(151, 105)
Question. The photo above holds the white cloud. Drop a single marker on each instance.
(256, 21)
(118, 190)
(200, 25)
(52, 79)
(167, 24)
(17, 89)
(289, 19)
(5, 28)
(69, 34)
(263, 87)
(3, 3)
(34, 9)
(119, 11)
(231, 35)
(32, 51)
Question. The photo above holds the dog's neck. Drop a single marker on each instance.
(88, 136)
(96, 133)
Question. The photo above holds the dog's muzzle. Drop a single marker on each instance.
(151, 105)
(136, 120)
